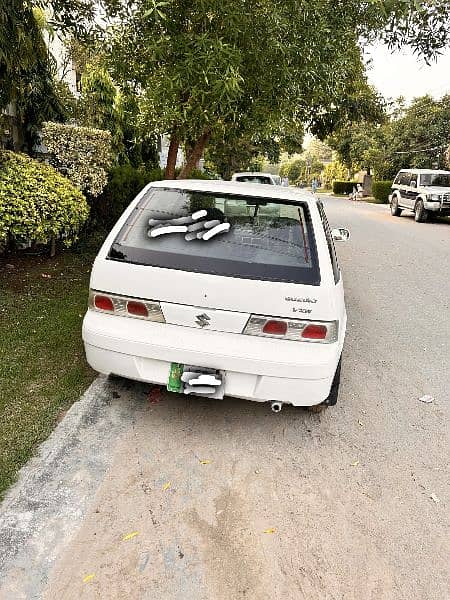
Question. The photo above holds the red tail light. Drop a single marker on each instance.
(103, 303)
(121, 306)
(138, 309)
(293, 329)
(275, 327)
(315, 332)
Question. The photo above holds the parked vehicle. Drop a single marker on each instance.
(426, 192)
(213, 288)
(265, 178)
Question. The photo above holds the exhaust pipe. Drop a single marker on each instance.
(276, 406)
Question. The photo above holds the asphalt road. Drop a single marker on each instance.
(196, 500)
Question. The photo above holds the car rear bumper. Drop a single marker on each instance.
(260, 369)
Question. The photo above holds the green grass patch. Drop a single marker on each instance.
(42, 365)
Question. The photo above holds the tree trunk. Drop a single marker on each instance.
(53, 247)
(172, 157)
(195, 155)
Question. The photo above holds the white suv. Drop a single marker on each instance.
(424, 191)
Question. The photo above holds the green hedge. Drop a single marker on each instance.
(344, 187)
(124, 184)
(81, 154)
(37, 203)
(381, 191)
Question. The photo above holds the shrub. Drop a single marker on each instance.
(124, 183)
(381, 191)
(37, 203)
(81, 154)
(344, 187)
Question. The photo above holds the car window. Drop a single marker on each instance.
(405, 178)
(254, 179)
(330, 243)
(435, 179)
(397, 178)
(222, 234)
(413, 179)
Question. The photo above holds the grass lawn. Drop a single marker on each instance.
(42, 365)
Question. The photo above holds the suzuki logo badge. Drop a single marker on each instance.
(203, 320)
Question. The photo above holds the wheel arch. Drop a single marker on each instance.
(421, 198)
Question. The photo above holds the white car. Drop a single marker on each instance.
(264, 178)
(213, 288)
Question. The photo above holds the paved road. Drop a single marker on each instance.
(190, 500)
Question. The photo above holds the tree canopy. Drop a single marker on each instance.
(211, 66)
(416, 136)
(207, 68)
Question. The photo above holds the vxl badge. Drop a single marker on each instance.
(203, 320)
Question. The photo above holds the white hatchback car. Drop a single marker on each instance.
(217, 288)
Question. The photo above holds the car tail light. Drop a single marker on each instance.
(286, 329)
(273, 327)
(102, 302)
(315, 332)
(126, 307)
(136, 308)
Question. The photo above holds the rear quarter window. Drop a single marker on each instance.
(330, 243)
(256, 238)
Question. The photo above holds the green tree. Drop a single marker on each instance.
(415, 136)
(208, 66)
(27, 72)
(334, 171)
(100, 105)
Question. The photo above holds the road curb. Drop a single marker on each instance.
(55, 488)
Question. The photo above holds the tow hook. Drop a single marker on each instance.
(276, 406)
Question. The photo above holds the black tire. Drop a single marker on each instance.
(317, 408)
(333, 395)
(420, 214)
(395, 210)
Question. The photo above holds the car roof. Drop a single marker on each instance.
(252, 174)
(235, 187)
(421, 171)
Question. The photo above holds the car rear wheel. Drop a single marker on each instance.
(333, 395)
(395, 210)
(420, 214)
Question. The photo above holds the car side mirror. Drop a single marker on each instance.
(340, 234)
(413, 184)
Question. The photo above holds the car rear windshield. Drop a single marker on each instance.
(220, 234)
(435, 179)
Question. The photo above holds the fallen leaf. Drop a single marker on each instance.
(166, 486)
(360, 423)
(427, 399)
(129, 536)
(270, 530)
(205, 462)
(434, 498)
(88, 578)
(354, 464)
